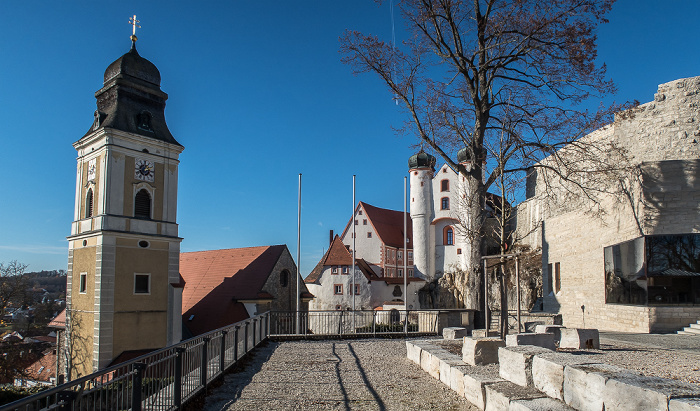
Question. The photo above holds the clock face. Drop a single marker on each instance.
(144, 170)
(92, 169)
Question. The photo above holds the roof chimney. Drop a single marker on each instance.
(331, 238)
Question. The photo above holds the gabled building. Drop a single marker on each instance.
(226, 286)
(332, 284)
(379, 240)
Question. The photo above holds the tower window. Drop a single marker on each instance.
(369, 234)
(88, 204)
(83, 283)
(448, 236)
(142, 283)
(142, 204)
(445, 185)
(284, 278)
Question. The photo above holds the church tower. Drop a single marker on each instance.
(124, 290)
(421, 167)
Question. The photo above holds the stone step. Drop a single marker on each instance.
(696, 325)
(683, 333)
(689, 330)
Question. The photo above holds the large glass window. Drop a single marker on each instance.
(654, 270)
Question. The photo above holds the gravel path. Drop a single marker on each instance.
(333, 375)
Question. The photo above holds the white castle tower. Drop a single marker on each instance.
(421, 167)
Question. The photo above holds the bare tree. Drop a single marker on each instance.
(472, 70)
(13, 284)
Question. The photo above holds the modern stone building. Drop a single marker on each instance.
(123, 262)
(635, 267)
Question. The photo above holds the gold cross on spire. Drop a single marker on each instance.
(134, 23)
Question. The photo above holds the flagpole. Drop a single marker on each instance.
(354, 232)
(298, 255)
(405, 258)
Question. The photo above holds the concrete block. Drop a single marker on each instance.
(548, 371)
(638, 392)
(446, 365)
(475, 383)
(585, 384)
(545, 340)
(481, 351)
(499, 395)
(539, 404)
(515, 363)
(551, 329)
(480, 333)
(413, 351)
(684, 404)
(579, 338)
(454, 333)
(457, 378)
(436, 357)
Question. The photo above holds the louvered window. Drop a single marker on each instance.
(142, 204)
(88, 204)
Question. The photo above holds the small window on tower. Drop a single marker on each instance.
(445, 203)
(142, 204)
(364, 222)
(142, 283)
(83, 283)
(88, 204)
(369, 234)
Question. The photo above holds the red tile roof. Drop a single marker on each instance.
(44, 369)
(59, 321)
(387, 223)
(216, 280)
(338, 254)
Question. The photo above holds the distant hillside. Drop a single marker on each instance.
(52, 281)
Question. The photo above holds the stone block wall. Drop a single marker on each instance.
(662, 138)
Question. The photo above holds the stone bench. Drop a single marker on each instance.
(578, 338)
(545, 340)
(481, 351)
(515, 363)
(454, 333)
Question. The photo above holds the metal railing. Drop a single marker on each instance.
(354, 323)
(162, 380)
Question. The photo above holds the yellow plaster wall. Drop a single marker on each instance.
(95, 187)
(140, 321)
(82, 305)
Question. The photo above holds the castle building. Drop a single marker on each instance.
(437, 203)
(635, 266)
(124, 287)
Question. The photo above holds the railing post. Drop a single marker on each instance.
(66, 397)
(245, 340)
(374, 323)
(235, 343)
(177, 385)
(203, 375)
(405, 323)
(222, 357)
(137, 386)
(255, 321)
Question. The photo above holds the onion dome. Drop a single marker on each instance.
(131, 99)
(420, 160)
(463, 156)
(133, 65)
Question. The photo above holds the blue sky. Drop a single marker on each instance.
(257, 95)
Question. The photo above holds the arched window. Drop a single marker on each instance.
(445, 185)
(448, 236)
(284, 278)
(445, 203)
(88, 204)
(142, 204)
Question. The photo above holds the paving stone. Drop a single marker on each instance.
(481, 351)
(584, 384)
(499, 395)
(539, 404)
(638, 392)
(515, 363)
(545, 340)
(454, 333)
(579, 338)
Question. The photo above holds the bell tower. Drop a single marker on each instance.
(421, 167)
(124, 290)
